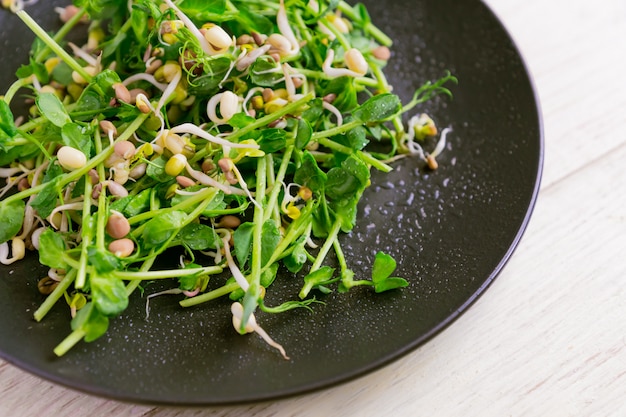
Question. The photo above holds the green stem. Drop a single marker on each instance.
(53, 45)
(69, 342)
(265, 120)
(205, 195)
(163, 274)
(257, 232)
(55, 295)
(14, 88)
(132, 285)
(211, 295)
(86, 235)
(62, 32)
(272, 201)
(332, 236)
(367, 158)
(369, 27)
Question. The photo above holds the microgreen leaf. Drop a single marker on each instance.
(11, 218)
(378, 108)
(7, 123)
(52, 109)
(270, 236)
(136, 204)
(163, 227)
(52, 246)
(76, 136)
(383, 267)
(108, 294)
(346, 94)
(103, 261)
(34, 68)
(243, 242)
(298, 256)
(265, 73)
(303, 134)
(91, 321)
(249, 21)
(309, 174)
(199, 237)
(240, 120)
(321, 276)
(272, 140)
(156, 170)
(45, 201)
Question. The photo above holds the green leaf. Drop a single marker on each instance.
(200, 9)
(261, 73)
(356, 138)
(77, 137)
(309, 174)
(138, 203)
(96, 97)
(35, 68)
(249, 21)
(7, 122)
(51, 249)
(108, 294)
(322, 276)
(91, 321)
(348, 180)
(101, 9)
(270, 236)
(189, 282)
(209, 84)
(346, 94)
(163, 227)
(243, 242)
(199, 237)
(240, 120)
(304, 134)
(378, 108)
(390, 284)
(383, 267)
(272, 140)
(11, 219)
(103, 261)
(62, 73)
(46, 200)
(298, 256)
(156, 170)
(52, 109)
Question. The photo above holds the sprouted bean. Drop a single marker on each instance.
(240, 142)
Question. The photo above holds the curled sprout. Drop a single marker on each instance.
(356, 64)
(419, 127)
(286, 31)
(18, 251)
(251, 326)
(288, 205)
(228, 106)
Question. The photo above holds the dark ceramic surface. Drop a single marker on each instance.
(451, 232)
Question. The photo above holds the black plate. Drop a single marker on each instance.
(451, 231)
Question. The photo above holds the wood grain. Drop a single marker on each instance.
(549, 337)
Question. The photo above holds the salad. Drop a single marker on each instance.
(232, 139)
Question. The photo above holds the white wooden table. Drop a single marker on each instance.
(549, 337)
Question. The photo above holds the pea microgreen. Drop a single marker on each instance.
(233, 134)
